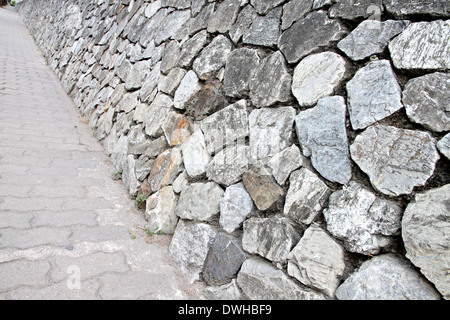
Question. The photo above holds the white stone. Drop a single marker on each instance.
(195, 155)
(188, 87)
(160, 211)
(235, 205)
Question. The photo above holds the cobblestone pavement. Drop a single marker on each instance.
(67, 229)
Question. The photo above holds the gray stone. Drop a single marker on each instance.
(264, 6)
(199, 202)
(188, 87)
(171, 24)
(422, 46)
(146, 93)
(318, 261)
(160, 211)
(124, 69)
(225, 126)
(347, 9)
(190, 245)
(373, 94)
(294, 10)
(396, 160)
(191, 48)
(165, 169)
(444, 145)
(128, 102)
(177, 128)
(129, 179)
(322, 3)
(318, 76)
(427, 101)
(195, 156)
(223, 261)
(306, 196)
(243, 22)
(401, 8)
(265, 30)
(272, 238)
(261, 186)
(200, 22)
(260, 280)
(229, 291)
(323, 137)
(271, 82)
(224, 16)
(270, 132)
(235, 205)
(153, 147)
(371, 37)
(314, 31)
(180, 183)
(137, 75)
(361, 219)
(156, 113)
(390, 278)
(208, 100)
(212, 58)
(426, 235)
(171, 82)
(152, 8)
(284, 162)
(170, 56)
(228, 165)
(239, 70)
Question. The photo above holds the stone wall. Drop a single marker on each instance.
(295, 149)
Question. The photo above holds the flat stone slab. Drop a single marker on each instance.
(401, 8)
(396, 160)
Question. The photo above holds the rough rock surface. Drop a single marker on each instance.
(323, 137)
(239, 69)
(390, 278)
(212, 58)
(165, 169)
(284, 162)
(195, 156)
(396, 160)
(160, 211)
(401, 8)
(427, 101)
(228, 166)
(188, 87)
(235, 205)
(426, 234)
(373, 94)
(361, 219)
(444, 146)
(265, 30)
(349, 10)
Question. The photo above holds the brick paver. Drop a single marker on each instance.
(67, 229)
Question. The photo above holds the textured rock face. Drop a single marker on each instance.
(390, 278)
(240, 66)
(235, 205)
(228, 166)
(165, 168)
(160, 211)
(284, 162)
(348, 9)
(396, 160)
(373, 94)
(212, 58)
(363, 221)
(425, 231)
(422, 46)
(195, 156)
(444, 146)
(427, 101)
(400, 8)
(322, 136)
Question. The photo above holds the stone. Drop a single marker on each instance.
(160, 211)
(305, 36)
(187, 88)
(223, 261)
(318, 261)
(229, 291)
(348, 10)
(362, 220)
(146, 93)
(235, 205)
(306, 196)
(390, 278)
(189, 247)
(239, 69)
(265, 30)
(165, 169)
(264, 6)
(177, 128)
(170, 56)
(228, 165)
(318, 76)
(171, 24)
(373, 94)
(371, 37)
(444, 146)
(191, 48)
(284, 162)
(152, 8)
(260, 280)
(295, 10)
(243, 22)
(143, 167)
(318, 4)
(199, 202)
(426, 235)
(212, 58)
(137, 75)
(123, 69)
(195, 156)
(128, 102)
(401, 8)
(129, 179)
(322, 135)
(153, 147)
(156, 114)
(181, 182)
(396, 160)
(422, 46)
(224, 16)
(206, 101)
(270, 132)
(261, 186)
(225, 126)
(272, 238)
(170, 83)
(271, 82)
(427, 101)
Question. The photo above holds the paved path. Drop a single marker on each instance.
(67, 229)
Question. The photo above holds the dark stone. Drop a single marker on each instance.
(347, 9)
(402, 8)
(205, 102)
(223, 261)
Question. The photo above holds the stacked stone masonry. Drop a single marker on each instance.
(295, 149)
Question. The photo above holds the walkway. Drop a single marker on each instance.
(67, 229)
